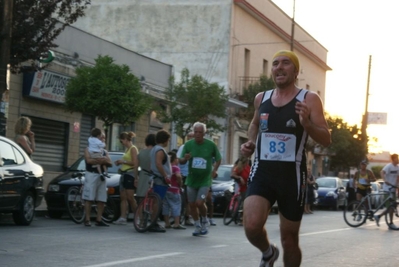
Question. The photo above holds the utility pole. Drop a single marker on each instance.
(5, 47)
(293, 27)
(365, 116)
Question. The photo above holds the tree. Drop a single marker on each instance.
(348, 147)
(108, 91)
(35, 25)
(194, 99)
(377, 171)
(249, 93)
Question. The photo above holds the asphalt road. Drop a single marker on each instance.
(325, 241)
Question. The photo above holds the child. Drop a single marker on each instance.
(172, 200)
(96, 150)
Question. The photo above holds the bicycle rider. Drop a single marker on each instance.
(362, 179)
(390, 175)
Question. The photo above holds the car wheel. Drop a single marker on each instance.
(55, 214)
(26, 212)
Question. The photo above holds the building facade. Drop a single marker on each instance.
(61, 136)
(230, 42)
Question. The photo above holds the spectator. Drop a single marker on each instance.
(129, 171)
(95, 189)
(144, 162)
(172, 200)
(24, 136)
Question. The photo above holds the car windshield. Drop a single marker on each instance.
(329, 183)
(224, 174)
(79, 165)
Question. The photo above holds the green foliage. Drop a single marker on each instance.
(194, 99)
(264, 84)
(108, 91)
(377, 171)
(348, 147)
(34, 26)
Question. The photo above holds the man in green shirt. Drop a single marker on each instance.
(200, 154)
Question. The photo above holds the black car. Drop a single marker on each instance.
(57, 188)
(21, 182)
(222, 188)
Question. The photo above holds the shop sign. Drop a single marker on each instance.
(46, 85)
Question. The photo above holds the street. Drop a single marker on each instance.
(325, 241)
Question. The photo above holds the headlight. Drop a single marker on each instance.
(53, 188)
(331, 194)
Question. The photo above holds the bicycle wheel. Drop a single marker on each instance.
(355, 214)
(75, 205)
(110, 213)
(390, 218)
(231, 211)
(147, 212)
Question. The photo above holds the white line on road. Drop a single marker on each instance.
(336, 230)
(112, 263)
(219, 246)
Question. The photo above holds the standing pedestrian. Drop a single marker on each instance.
(200, 153)
(24, 137)
(161, 169)
(350, 188)
(144, 162)
(184, 173)
(310, 181)
(390, 175)
(282, 121)
(95, 189)
(129, 171)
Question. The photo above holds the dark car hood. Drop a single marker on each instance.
(67, 179)
(223, 186)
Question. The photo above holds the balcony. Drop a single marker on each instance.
(242, 83)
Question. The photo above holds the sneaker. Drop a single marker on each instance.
(120, 221)
(377, 220)
(197, 230)
(188, 223)
(204, 228)
(179, 227)
(101, 223)
(269, 262)
(211, 222)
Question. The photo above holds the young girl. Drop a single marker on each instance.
(172, 200)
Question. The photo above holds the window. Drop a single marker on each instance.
(10, 155)
(265, 67)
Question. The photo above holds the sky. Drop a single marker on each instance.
(352, 31)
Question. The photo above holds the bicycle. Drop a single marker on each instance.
(233, 212)
(356, 212)
(76, 205)
(148, 211)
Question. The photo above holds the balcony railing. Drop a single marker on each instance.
(243, 83)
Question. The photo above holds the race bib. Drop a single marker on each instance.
(278, 147)
(199, 163)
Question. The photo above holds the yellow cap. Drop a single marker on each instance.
(291, 55)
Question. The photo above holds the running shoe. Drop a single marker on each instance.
(204, 228)
(269, 262)
(197, 230)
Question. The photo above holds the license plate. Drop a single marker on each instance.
(74, 198)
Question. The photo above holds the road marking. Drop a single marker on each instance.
(219, 246)
(112, 263)
(338, 230)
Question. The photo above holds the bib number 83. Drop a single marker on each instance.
(279, 147)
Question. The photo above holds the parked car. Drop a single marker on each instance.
(57, 188)
(222, 188)
(330, 193)
(21, 182)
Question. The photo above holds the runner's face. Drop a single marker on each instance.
(199, 134)
(283, 72)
